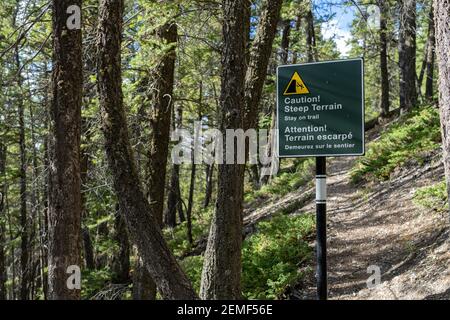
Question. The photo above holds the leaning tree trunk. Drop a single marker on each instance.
(221, 276)
(407, 54)
(384, 72)
(3, 274)
(142, 222)
(441, 18)
(65, 182)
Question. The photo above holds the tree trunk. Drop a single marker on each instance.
(285, 40)
(285, 43)
(88, 249)
(191, 202)
(24, 227)
(407, 54)
(431, 57)
(121, 264)
(3, 274)
(311, 37)
(384, 72)
(209, 172)
(142, 222)
(144, 287)
(298, 23)
(259, 60)
(221, 276)
(65, 181)
(257, 69)
(160, 121)
(442, 17)
(162, 96)
(174, 201)
(84, 167)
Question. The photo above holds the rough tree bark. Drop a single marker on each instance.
(142, 222)
(259, 60)
(3, 274)
(162, 80)
(442, 18)
(221, 276)
(407, 54)
(384, 72)
(257, 68)
(161, 98)
(65, 182)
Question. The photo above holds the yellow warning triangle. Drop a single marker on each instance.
(296, 86)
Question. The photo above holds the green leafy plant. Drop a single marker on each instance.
(270, 258)
(410, 138)
(433, 197)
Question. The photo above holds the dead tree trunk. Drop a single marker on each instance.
(221, 276)
(142, 222)
(441, 18)
(65, 181)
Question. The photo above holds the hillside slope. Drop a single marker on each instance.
(382, 226)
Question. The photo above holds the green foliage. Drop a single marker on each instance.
(433, 197)
(409, 138)
(177, 237)
(93, 281)
(286, 181)
(270, 258)
(193, 267)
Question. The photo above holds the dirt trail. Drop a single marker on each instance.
(382, 226)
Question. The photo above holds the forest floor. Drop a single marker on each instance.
(377, 224)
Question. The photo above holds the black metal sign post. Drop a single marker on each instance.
(321, 227)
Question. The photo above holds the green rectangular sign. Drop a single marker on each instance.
(320, 109)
